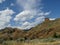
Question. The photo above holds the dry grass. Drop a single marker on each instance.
(30, 43)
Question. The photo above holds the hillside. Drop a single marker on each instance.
(46, 29)
(49, 28)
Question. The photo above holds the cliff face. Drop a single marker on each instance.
(43, 30)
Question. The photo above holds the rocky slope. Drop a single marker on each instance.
(49, 28)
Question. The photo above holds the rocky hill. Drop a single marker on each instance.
(49, 28)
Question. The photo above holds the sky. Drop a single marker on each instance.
(25, 14)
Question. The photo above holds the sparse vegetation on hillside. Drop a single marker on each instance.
(48, 29)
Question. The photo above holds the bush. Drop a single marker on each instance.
(1, 41)
(56, 35)
(21, 39)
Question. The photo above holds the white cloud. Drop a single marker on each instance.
(47, 13)
(2, 1)
(28, 25)
(52, 18)
(26, 16)
(28, 4)
(12, 4)
(5, 17)
(24, 5)
(31, 15)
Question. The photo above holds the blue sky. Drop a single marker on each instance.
(25, 14)
(53, 6)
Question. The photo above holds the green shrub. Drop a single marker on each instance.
(21, 39)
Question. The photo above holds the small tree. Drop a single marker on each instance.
(55, 36)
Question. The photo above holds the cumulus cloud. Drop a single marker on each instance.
(2, 1)
(5, 17)
(31, 15)
(28, 4)
(52, 18)
(25, 15)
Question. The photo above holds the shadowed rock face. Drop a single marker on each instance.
(43, 30)
(47, 19)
